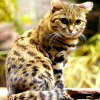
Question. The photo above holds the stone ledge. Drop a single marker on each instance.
(3, 93)
(84, 93)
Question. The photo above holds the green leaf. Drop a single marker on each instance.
(4, 52)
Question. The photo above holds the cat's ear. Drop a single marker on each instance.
(87, 5)
(55, 5)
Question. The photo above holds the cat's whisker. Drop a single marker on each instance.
(60, 34)
(49, 35)
(54, 37)
(83, 36)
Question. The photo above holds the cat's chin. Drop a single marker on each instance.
(71, 35)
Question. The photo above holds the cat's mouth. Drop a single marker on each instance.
(69, 31)
(68, 34)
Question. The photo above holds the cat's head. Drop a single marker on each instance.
(69, 20)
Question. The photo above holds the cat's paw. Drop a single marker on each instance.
(66, 97)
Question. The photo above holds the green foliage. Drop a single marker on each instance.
(6, 9)
(98, 78)
(2, 53)
(9, 13)
(83, 68)
(2, 66)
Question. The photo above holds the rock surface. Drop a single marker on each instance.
(3, 93)
(84, 93)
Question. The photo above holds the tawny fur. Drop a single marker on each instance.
(35, 62)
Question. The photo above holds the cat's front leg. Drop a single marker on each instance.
(58, 76)
(65, 96)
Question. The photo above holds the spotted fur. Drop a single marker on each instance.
(34, 66)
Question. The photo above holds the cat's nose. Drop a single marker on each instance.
(70, 30)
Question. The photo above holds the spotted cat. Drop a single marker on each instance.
(34, 66)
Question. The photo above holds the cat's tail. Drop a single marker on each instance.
(55, 94)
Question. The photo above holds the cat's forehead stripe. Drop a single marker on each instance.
(72, 7)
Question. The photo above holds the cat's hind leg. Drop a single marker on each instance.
(55, 94)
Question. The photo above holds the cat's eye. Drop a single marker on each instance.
(64, 20)
(78, 22)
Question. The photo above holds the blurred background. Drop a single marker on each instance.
(83, 67)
